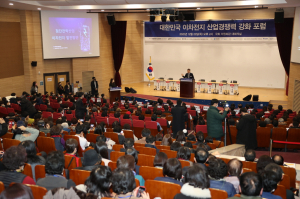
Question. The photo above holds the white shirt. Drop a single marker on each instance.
(95, 84)
(83, 142)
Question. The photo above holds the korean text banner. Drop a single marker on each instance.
(224, 28)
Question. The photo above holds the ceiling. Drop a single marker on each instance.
(143, 5)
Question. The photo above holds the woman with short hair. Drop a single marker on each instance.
(123, 185)
(172, 172)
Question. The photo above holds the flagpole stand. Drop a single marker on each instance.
(149, 83)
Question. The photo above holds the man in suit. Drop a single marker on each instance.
(80, 107)
(178, 118)
(188, 74)
(68, 88)
(94, 86)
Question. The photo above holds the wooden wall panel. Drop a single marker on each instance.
(9, 15)
(294, 75)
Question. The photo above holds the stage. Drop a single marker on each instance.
(266, 95)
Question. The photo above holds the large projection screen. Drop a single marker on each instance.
(296, 38)
(70, 34)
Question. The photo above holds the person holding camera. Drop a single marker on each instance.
(214, 119)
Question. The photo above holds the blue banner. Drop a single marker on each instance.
(225, 28)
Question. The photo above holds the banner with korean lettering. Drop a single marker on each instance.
(260, 29)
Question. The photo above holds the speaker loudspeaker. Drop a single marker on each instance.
(247, 98)
(34, 63)
(111, 19)
(255, 98)
(279, 17)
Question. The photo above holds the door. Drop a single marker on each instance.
(62, 78)
(50, 83)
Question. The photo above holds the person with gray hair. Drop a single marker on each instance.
(268, 121)
(235, 169)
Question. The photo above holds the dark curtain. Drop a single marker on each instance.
(284, 33)
(118, 36)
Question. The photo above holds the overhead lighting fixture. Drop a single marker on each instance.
(11, 4)
(102, 10)
(198, 8)
(148, 9)
(39, 8)
(256, 6)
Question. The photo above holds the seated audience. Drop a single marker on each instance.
(172, 172)
(270, 181)
(251, 186)
(195, 184)
(54, 168)
(117, 129)
(98, 183)
(175, 146)
(82, 141)
(278, 170)
(72, 148)
(145, 133)
(23, 133)
(235, 169)
(123, 185)
(184, 153)
(150, 140)
(134, 153)
(14, 159)
(128, 162)
(180, 137)
(262, 162)
(201, 156)
(217, 170)
(262, 124)
(154, 118)
(158, 137)
(278, 159)
(17, 191)
(102, 150)
(32, 158)
(167, 140)
(55, 133)
(250, 155)
(127, 144)
(201, 121)
(200, 139)
(160, 159)
(91, 160)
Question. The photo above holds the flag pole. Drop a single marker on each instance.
(149, 79)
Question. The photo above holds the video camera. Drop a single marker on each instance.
(223, 104)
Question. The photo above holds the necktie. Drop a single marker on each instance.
(188, 75)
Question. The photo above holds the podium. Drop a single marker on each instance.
(187, 88)
(113, 93)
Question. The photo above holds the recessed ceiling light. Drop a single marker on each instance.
(198, 8)
(148, 9)
(102, 10)
(256, 6)
(39, 8)
(11, 4)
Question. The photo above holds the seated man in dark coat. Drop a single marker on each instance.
(91, 160)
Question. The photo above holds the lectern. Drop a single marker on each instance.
(187, 88)
(113, 93)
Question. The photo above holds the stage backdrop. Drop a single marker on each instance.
(242, 50)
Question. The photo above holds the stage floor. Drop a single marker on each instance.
(265, 94)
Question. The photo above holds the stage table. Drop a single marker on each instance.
(113, 93)
(200, 87)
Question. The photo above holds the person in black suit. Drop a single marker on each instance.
(60, 89)
(94, 86)
(80, 107)
(178, 118)
(188, 74)
(68, 88)
(112, 83)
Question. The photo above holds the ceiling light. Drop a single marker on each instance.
(102, 10)
(148, 9)
(198, 8)
(256, 6)
(39, 8)
(11, 4)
